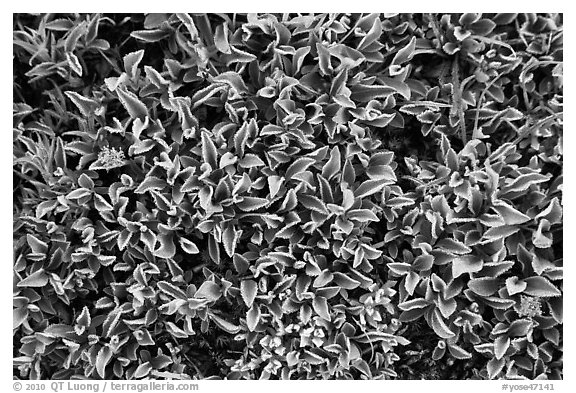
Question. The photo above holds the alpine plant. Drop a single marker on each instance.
(287, 196)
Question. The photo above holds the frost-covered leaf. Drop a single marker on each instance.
(224, 325)
(102, 359)
(151, 183)
(249, 204)
(437, 323)
(248, 289)
(131, 62)
(37, 279)
(466, 264)
(320, 305)
(188, 246)
(136, 109)
(370, 187)
(541, 287)
(209, 290)
(484, 286)
(86, 106)
(253, 317)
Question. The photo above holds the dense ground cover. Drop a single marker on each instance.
(287, 196)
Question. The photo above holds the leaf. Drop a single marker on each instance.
(143, 370)
(370, 187)
(235, 81)
(248, 290)
(249, 204)
(437, 323)
(60, 25)
(253, 317)
(423, 263)
(298, 166)
(251, 161)
(399, 268)
(102, 359)
(151, 183)
(556, 306)
(468, 18)
(484, 286)
(209, 152)
(298, 58)
(500, 232)
(188, 246)
(412, 315)
(37, 279)
(324, 60)
(238, 56)
(175, 331)
(60, 331)
(362, 215)
(313, 203)
(363, 366)
(345, 281)
(101, 204)
(209, 290)
(541, 287)
(498, 303)
(86, 106)
(172, 290)
(405, 54)
(154, 35)
(514, 285)
(136, 109)
(494, 367)
(111, 322)
(381, 172)
(413, 304)
(79, 193)
(511, 114)
(519, 328)
(411, 281)
(44, 208)
(73, 36)
(274, 184)
(511, 216)
(504, 18)
(203, 95)
(131, 62)
(320, 305)
(106, 260)
(142, 146)
(540, 239)
(401, 88)
(483, 27)
(466, 264)
(332, 166)
(501, 345)
(453, 246)
(155, 77)
(348, 173)
(323, 279)
(224, 325)
(167, 248)
(372, 36)
(552, 213)
(458, 352)
(189, 23)
(229, 239)
(221, 38)
(19, 316)
(37, 245)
